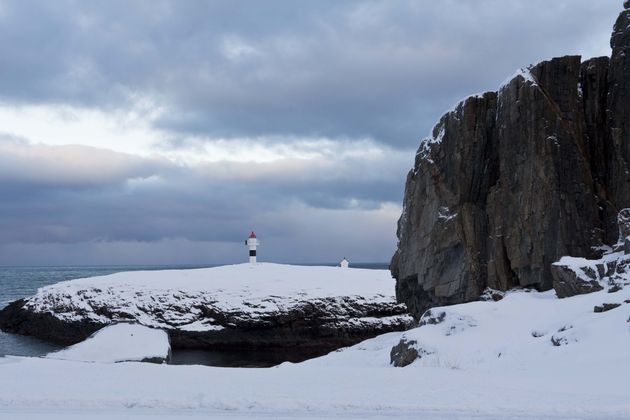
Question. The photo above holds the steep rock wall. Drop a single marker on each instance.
(510, 181)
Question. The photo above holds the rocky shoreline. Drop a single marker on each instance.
(222, 316)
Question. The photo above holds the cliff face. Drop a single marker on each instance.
(512, 180)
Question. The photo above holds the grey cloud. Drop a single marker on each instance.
(384, 70)
(72, 166)
(204, 203)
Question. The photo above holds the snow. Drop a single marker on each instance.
(174, 299)
(554, 139)
(444, 213)
(202, 326)
(118, 343)
(579, 264)
(525, 73)
(427, 143)
(487, 360)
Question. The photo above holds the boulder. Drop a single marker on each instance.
(567, 282)
(432, 317)
(605, 307)
(491, 295)
(404, 353)
(577, 276)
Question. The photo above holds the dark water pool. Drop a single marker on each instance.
(241, 358)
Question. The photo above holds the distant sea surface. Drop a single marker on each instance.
(21, 282)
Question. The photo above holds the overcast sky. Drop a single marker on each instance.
(161, 132)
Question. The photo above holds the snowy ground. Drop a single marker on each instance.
(119, 343)
(484, 360)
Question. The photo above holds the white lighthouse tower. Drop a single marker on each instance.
(252, 243)
(344, 263)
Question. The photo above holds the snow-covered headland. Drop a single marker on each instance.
(559, 354)
(529, 355)
(236, 306)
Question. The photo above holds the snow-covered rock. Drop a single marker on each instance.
(264, 305)
(122, 342)
(574, 276)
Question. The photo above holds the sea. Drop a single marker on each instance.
(21, 282)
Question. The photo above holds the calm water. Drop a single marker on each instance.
(20, 282)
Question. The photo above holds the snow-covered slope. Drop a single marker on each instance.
(119, 343)
(528, 356)
(294, 305)
(526, 332)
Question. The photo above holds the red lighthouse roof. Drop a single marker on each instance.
(252, 235)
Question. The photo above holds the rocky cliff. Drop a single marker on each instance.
(510, 181)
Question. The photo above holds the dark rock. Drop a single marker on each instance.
(16, 319)
(559, 341)
(618, 108)
(615, 288)
(604, 307)
(432, 318)
(404, 353)
(567, 283)
(156, 360)
(623, 220)
(613, 269)
(510, 181)
(491, 295)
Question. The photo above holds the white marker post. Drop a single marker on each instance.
(251, 243)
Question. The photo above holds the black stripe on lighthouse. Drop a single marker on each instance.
(252, 252)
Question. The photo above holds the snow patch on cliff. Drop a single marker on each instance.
(523, 73)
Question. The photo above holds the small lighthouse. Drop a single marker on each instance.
(344, 263)
(252, 243)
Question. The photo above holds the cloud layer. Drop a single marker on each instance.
(65, 195)
(383, 70)
(162, 131)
